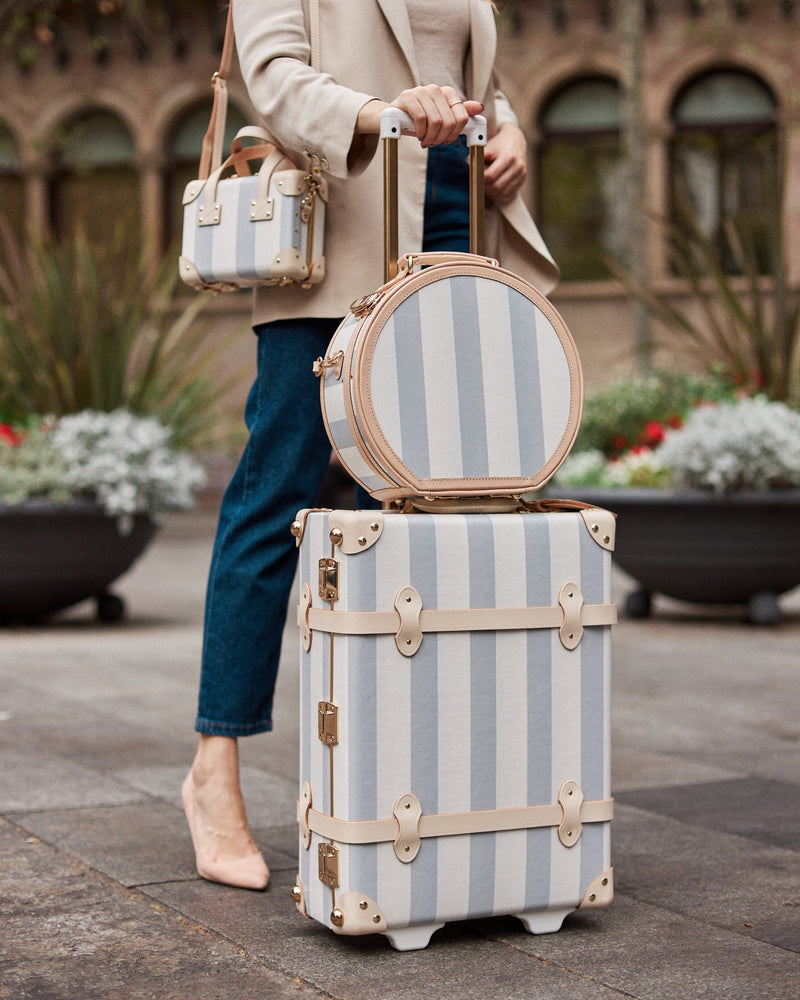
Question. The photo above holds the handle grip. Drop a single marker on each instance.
(395, 122)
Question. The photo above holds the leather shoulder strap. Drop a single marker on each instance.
(211, 150)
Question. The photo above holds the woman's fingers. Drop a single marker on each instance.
(506, 163)
(439, 113)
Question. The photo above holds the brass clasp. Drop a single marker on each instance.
(329, 579)
(328, 855)
(328, 723)
(334, 362)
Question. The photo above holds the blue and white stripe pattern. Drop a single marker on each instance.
(338, 425)
(238, 250)
(468, 380)
(473, 721)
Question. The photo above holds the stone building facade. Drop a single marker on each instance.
(102, 119)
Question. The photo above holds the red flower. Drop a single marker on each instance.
(620, 443)
(9, 435)
(675, 421)
(652, 435)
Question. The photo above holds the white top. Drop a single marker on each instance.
(441, 40)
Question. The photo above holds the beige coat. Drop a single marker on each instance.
(366, 51)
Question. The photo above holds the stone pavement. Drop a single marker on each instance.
(98, 894)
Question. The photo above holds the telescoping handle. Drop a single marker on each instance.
(394, 123)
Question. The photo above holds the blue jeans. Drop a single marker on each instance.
(280, 472)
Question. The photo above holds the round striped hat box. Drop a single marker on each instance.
(457, 379)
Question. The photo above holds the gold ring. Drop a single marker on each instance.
(456, 102)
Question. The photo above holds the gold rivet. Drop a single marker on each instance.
(606, 539)
(336, 536)
(408, 642)
(363, 904)
(408, 600)
(375, 526)
(592, 897)
(337, 917)
(595, 528)
(362, 540)
(408, 805)
(572, 636)
(296, 528)
(376, 919)
(571, 594)
(296, 894)
(569, 792)
(407, 850)
(604, 882)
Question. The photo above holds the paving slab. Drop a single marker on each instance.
(71, 934)
(712, 876)
(33, 778)
(459, 962)
(758, 808)
(137, 844)
(143, 843)
(651, 953)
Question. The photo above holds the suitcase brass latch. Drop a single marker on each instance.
(329, 579)
(328, 723)
(329, 865)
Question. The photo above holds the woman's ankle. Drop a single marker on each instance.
(216, 760)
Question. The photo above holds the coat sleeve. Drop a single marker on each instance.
(503, 112)
(303, 109)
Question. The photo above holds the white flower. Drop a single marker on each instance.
(750, 444)
(125, 462)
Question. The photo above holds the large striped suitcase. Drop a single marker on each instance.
(454, 758)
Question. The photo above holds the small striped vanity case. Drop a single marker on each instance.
(454, 758)
(455, 378)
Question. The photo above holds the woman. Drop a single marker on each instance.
(435, 61)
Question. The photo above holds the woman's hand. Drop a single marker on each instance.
(439, 114)
(506, 159)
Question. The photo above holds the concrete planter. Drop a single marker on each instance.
(696, 546)
(54, 555)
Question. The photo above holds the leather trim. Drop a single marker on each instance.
(451, 619)
(454, 824)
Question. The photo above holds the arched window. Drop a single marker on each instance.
(725, 160)
(95, 183)
(183, 157)
(12, 194)
(580, 197)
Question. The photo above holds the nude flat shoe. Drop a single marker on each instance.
(249, 872)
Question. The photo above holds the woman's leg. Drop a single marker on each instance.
(251, 575)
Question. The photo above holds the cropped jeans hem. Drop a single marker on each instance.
(210, 728)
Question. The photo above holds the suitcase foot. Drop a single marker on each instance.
(544, 921)
(412, 938)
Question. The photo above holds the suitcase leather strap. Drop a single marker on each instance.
(379, 831)
(410, 621)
